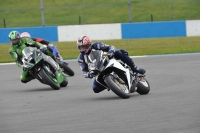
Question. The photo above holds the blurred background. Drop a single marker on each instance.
(31, 13)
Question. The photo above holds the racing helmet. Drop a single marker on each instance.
(14, 37)
(83, 43)
(25, 34)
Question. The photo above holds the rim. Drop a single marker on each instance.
(144, 82)
(122, 87)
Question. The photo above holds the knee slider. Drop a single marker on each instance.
(23, 81)
(98, 89)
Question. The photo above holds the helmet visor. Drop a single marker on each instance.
(14, 41)
(83, 47)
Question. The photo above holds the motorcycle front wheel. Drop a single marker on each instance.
(119, 89)
(48, 80)
(67, 69)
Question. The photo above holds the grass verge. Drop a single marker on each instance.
(135, 47)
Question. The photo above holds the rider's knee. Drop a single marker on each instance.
(97, 89)
(118, 54)
(25, 79)
(22, 78)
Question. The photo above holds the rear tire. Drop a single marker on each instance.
(47, 80)
(115, 88)
(143, 87)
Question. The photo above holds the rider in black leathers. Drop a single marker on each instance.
(84, 45)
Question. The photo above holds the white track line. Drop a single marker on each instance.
(130, 56)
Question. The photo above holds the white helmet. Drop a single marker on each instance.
(25, 34)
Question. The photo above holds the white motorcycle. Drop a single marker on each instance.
(116, 75)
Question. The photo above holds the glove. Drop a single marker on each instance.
(24, 68)
(43, 48)
(88, 75)
(50, 44)
(111, 53)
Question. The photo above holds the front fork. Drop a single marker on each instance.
(136, 80)
(58, 73)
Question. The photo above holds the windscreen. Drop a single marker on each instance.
(94, 58)
(26, 51)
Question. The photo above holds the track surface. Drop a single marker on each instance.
(172, 106)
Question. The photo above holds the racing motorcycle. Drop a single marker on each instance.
(116, 75)
(42, 67)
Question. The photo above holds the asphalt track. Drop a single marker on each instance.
(172, 106)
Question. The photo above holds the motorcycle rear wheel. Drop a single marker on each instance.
(143, 87)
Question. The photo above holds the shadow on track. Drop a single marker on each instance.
(115, 97)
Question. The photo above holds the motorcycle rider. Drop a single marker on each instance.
(57, 57)
(18, 44)
(45, 42)
(85, 45)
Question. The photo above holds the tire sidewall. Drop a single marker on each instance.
(47, 80)
(67, 70)
(141, 89)
(108, 80)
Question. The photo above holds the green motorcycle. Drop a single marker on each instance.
(43, 68)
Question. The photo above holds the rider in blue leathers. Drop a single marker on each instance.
(84, 45)
(45, 42)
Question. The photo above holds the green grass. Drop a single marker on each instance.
(72, 12)
(135, 47)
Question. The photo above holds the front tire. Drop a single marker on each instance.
(67, 70)
(123, 93)
(47, 80)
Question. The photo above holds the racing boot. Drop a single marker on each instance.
(49, 52)
(61, 59)
(134, 68)
(138, 70)
(129, 61)
(57, 59)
